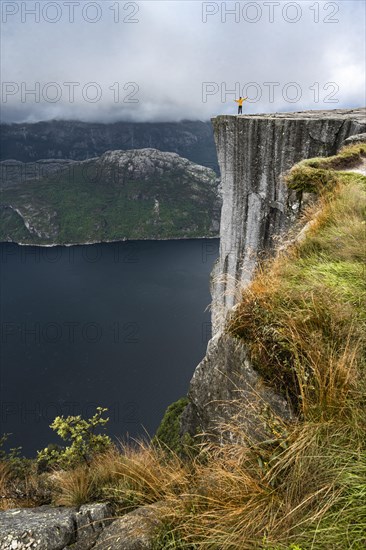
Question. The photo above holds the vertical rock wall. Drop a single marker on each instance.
(253, 152)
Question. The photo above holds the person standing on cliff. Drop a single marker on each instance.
(240, 102)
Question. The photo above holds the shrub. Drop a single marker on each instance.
(20, 485)
(84, 442)
(168, 435)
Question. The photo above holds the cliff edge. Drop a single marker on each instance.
(254, 153)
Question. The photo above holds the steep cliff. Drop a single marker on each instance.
(254, 153)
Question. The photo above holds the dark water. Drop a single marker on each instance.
(119, 325)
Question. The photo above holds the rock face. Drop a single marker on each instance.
(134, 531)
(92, 526)
(48, 528)
(135, 194)
(145, 163)
(357, 138)
(225, 385)
(254, 152)
(60, 139)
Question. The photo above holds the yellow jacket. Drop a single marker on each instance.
(240, 101)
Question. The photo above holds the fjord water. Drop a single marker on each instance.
(120, 325)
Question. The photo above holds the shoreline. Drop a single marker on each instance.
(125, 240)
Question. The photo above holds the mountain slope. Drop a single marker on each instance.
(137, 194)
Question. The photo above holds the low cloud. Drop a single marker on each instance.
(168, 61)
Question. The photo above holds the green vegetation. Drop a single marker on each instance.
(304, 312)
(83, 206)
(20, 482)
(167, 538)
(168, 433)
(84, 442)
(303, 324)
(11, 223)
(348, 157)
(313, 175)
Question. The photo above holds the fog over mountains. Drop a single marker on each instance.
(82, 140)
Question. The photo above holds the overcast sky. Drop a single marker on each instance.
(173, 60)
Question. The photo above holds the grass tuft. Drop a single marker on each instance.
(314, 175)
(302, 317)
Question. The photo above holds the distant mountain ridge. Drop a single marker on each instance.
(76, 140)
(135, 194)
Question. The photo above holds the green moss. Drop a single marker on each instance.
(168, 433)
(316, 174)
(348, 157)
(309, 179)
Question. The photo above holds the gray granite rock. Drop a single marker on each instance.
(134, 531)
(357, 138)
(254, 151)
(225, 385)
(42, 528)
(90, 521)
(49, 528)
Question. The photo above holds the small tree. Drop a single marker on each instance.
(84, 442)
(12, 461)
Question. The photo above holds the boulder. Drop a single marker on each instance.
(49, 528)
(90, 520)
(357, 138)
(134, 531)
(43, 528)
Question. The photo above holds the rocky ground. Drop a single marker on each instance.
(90, 526)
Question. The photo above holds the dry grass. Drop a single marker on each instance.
(303, 320)
(271, 497)
(142, 474)
(237, 501)
(73, 487)
(130, 476)
(303, 317)
(22, 487)
(5, 501)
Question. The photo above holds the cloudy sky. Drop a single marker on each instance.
(173, 60)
